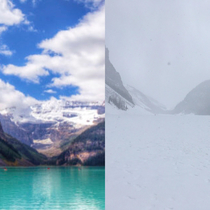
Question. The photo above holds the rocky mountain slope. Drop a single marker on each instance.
(15, 153)
(87, 149)
(196, 101)
(50, 123)
(116, 93)
(124, 97)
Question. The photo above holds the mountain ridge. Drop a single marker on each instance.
(51, 122)
(87, 149)
(197, 101)
(15, 153)
(113, 81)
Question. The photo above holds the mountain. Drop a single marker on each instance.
(116, 93)
(87, 149)
(50, 123)
(14, 130)
(197, 101)
(15, 153)
(145, 102)
(124, 97)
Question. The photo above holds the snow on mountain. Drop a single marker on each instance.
(116, 93)
(127, 97)
(46, 125)
(145, 102)
(116, 99)
(76, 112)
(197, 101)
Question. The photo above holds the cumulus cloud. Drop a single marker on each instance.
(9, 16)
(31, 71)
(76, 55)
(10, 97)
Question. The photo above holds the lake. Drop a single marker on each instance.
(63, 188)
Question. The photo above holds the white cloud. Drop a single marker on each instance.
(76, 54)
(4, 50)
(23, 1)
(10, 97)
(2, 29)
(9, 15)
(50, 91)
(31, 71)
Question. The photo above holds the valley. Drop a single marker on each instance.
(51, 127)
(157, 158)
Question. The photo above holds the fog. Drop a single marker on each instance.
(160, 47)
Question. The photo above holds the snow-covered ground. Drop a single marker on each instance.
(157, 162)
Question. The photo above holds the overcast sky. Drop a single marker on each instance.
(160, 47)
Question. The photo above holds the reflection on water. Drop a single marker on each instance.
(62, 188)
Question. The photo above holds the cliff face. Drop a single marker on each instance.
(2, 134)
(114, 81)
(87, 149)
(14, 130)
(15, 153)
(51, 123)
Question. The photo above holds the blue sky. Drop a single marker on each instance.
(52, 48)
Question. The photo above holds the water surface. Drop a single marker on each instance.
(63, 188)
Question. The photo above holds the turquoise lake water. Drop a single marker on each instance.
(63, 188)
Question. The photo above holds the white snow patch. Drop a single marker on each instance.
(73, 112)
(43, 141)
(157, 162)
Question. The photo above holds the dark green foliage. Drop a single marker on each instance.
(67, 142)
(8, 152)
(98, 160)
(95, 133)
(11, 150)
(26, 152)
(91, 141)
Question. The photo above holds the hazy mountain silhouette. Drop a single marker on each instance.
(197, 101)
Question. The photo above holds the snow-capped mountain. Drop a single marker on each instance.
(116, 93)
(80, 113)
(75, 112)
(127, 97)
(46, 125)
(197, 101)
